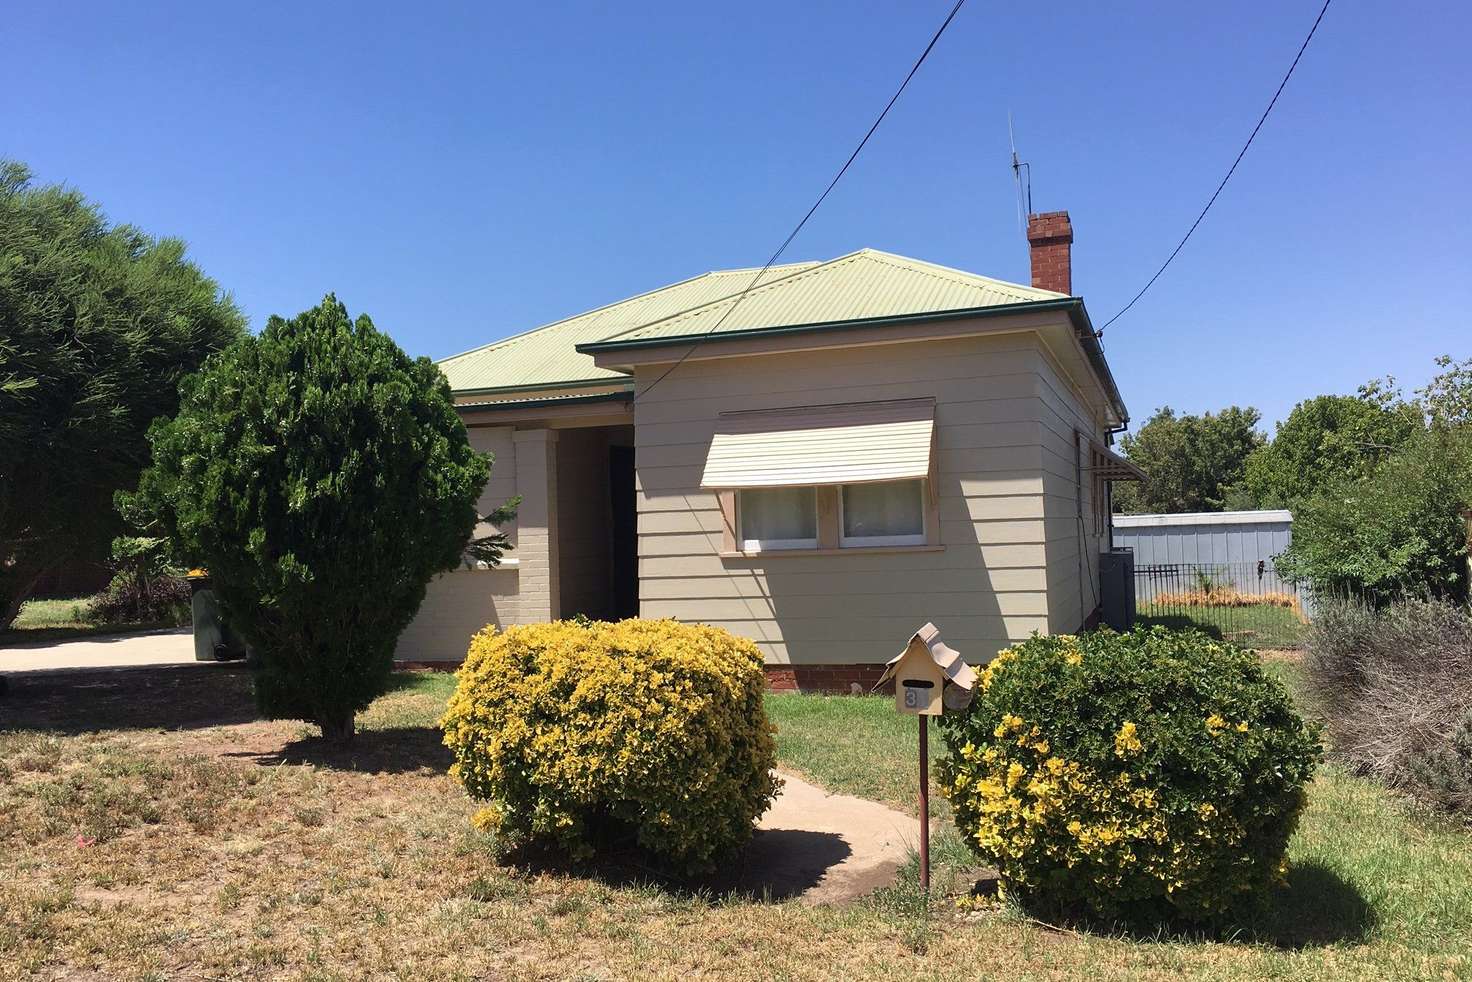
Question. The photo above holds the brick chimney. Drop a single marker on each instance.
(1050, 235)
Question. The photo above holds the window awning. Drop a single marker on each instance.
(855, 443)
(1112, 467)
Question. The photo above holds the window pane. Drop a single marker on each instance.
(779, 514)
(890, 509)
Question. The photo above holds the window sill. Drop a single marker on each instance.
(848, 551)
(482, 567)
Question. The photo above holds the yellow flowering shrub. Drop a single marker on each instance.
(594, 735)
(1148, 776)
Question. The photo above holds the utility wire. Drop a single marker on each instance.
(831, 185)
(1281, 85)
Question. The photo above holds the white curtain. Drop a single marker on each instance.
(894, 508)
(779, 515)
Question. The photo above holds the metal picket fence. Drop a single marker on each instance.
(1247, 603)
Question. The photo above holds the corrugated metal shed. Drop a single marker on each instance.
(1225, 545)
(548, 356)
(861, 285)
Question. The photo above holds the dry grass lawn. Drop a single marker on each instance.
(151, 827)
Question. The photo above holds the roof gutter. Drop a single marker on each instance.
(626, 395)
(1073, 306)
(1089, 339)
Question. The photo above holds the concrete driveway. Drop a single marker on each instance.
(169, 647)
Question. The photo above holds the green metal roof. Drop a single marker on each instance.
(547, 356)
(863, 285)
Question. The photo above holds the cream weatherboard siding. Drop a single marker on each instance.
(1003, 421)
(1073, 578)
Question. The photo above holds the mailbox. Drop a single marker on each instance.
(929, 677)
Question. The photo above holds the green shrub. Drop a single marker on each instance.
(323, 477)
(146, 588)
(1152, 776)
(591, 735)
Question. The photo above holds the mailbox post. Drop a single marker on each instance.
(929, 678)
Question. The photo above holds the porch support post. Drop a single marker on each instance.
(536, 524)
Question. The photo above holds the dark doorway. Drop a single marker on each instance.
(625, 528)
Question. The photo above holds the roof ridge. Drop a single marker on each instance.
(811, 267)
(965, 276)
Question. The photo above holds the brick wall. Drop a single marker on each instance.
(824, 678)
(1050, 235)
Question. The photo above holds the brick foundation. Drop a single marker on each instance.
(822, 678)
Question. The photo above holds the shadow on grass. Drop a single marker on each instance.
(777, 865)
(167, 697)
(1317, 908)
(400, 750)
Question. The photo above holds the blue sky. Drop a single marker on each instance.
(465, 172)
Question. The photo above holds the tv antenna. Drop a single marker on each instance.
(1023, 185)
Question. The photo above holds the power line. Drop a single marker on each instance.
(1302, 48)
(831, 185)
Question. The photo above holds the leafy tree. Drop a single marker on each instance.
(323, 477)
(1447, 399)
(98, 324)
(1396, 532)
(1327, 439)
(1192, 462)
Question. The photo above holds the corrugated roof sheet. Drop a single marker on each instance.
(864, 284)
(843, 444)
(548, 356)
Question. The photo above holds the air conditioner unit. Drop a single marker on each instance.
(1117, 588)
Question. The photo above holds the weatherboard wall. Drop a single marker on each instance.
(987, 586)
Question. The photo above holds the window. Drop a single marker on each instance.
(887, 514)
(825, 479)
(779, 518)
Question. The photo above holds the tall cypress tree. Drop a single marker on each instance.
(322, 477)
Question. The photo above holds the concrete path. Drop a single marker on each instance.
(826, 848)
(99, 651)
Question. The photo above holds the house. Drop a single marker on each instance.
(854, 448)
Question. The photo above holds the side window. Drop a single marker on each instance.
(885, 514)
(779, 518)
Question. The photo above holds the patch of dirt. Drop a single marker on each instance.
(1290, 655)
